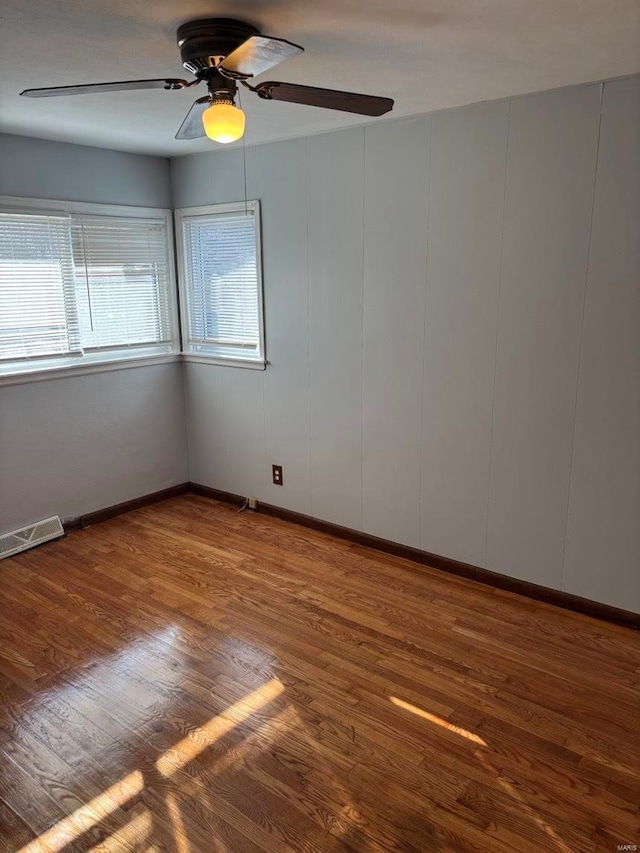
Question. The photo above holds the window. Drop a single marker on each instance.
(83, 286)
(37, 304)
(121, 281)
(221, 283)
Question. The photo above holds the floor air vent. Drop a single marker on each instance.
(27, 537)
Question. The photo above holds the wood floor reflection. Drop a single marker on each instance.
(185, 678)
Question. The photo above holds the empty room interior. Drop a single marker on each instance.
(320, 426)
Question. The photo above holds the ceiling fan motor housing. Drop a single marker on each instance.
(204, 43)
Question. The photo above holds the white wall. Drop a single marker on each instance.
(453, 334)
(38, 168)
(602, 547)
(72, 445)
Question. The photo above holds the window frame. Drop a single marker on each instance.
(180, 215)
(95, 361)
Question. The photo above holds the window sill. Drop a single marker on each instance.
(223, 362)
(81, 369)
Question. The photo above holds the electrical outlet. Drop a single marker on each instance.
(277, 474)
(252, 503)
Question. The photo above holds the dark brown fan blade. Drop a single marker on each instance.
(90, 88)
(366, 105)
(192, 127)
(258, 54)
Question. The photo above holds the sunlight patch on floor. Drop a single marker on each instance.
(506, 786)
(252, 744)
(92, 813)
(87, 816)
(177, 824)
(432, 718)
(132, 834)
(204, 736)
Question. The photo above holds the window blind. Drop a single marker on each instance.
(38, 318)
(78, 287)
(122, 281)
(222, 284)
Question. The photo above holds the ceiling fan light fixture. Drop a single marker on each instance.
(223, 121)
(220, 52)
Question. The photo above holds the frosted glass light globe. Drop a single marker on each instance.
(223, 122)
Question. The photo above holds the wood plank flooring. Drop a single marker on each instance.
(186, 678)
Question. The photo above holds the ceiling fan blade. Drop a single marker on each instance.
(192, 127)
(366, 105)
(90, 88)
(258, 54)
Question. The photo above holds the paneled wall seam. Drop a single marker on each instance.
(183, 366)
(308, 316)
(223, 412)
(185, 407)
(265, 479)
(362, 298)
(424, 333)
(309, 392)
(495, 350)
(582, 319)
(254, 193)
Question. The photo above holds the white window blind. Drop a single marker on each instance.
(122, 281)
(37, 289)
(221, 280)
(82, 287)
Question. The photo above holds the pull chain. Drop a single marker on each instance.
(244, 162)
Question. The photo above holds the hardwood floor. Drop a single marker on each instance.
(187, 678)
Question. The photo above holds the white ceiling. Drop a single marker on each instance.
(426, 54)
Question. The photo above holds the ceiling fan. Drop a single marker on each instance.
(223, 52)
